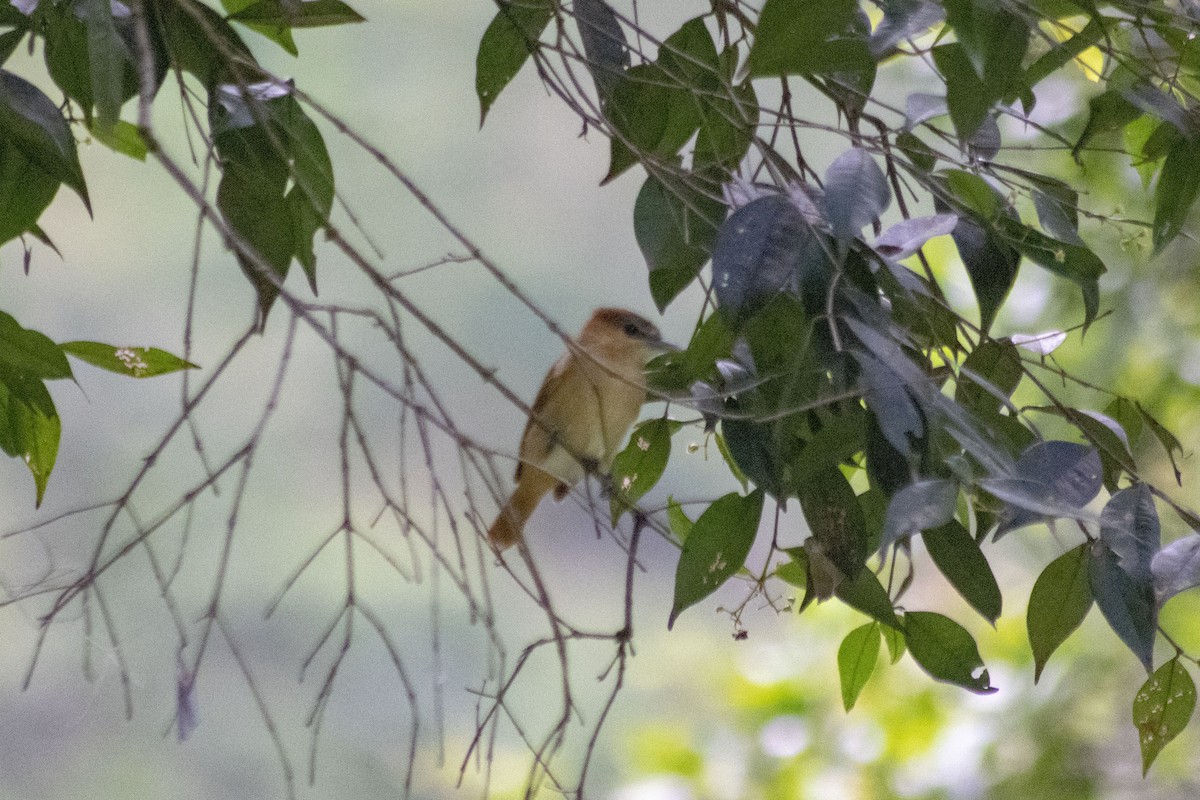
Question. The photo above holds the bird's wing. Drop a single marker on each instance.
(537, 441)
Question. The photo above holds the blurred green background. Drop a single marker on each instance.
(702, 715)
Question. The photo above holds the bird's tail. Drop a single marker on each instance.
(510, 523)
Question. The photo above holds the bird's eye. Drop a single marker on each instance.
(631, 329)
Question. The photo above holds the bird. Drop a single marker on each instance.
(588, 402)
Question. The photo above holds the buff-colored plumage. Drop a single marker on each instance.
(581, 415)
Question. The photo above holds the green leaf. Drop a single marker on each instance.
(991, 264)
(856, 661)
(865, 593)
(1106, 112)
(304, 14)
(637, 468)
(311, 197)
(29, 426)
(835, 518)
(25, 192)
(988, 377)
(1062, 54)
(1127, 602)
(681, 524)
(894, 639)
(31, 122)
(795, 571)
(124, 137)
(800, 37)
(715, 549)
(946, 651)
(676, 225)
(1166, 439)
(108, 60)
(9, 40)
(1178, 187)
(30, 352)
(966, 94)
(1071, 261)
(1060, 599)
(134, 362)
(506, 45)
(1162, 708)
(856, 193)
(917, 507)
(959, 558)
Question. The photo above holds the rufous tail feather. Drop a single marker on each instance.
(510, 523)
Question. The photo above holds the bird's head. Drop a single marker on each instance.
(618, 333)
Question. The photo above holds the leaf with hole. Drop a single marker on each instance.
(715, 549)
(1162, 708)
(946, 651)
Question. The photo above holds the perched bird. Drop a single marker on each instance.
(587, 403)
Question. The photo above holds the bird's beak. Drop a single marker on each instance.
(663, 346)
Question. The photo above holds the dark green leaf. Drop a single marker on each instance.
(1162, 708)
(1107, 112)
(991, 264)
(506, 45)
(959, 559)
(946, 651)
(1178, 187)
(29, 426)
(1071, 261)
(304, 14)
(25, 192)
(604, 43)
(1126, 602)
(988, 377)
(833, 515)
(920, 154)
(30, 352)
(966, 95)
(135, 362)
(676, 227)
(865, 593)
(856, 661)
(8, 43)
(715, 549)
(1057, 208)
(1166, 439)
(758, 254)
(1062, 54)
(108, 60)
(1061, 598)
(919, 507)
(894, 639)
(856, 193)
(637, 468)
(799, 37)
(31, 122)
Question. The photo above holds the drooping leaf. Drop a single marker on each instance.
(1051, 479)
(1126, 602)
(604, 43)
(959, 559)
(758, 255)
(31, 122)
(676, 227)
(835, 518)
(1106, 112)
(1129, 526)
(1176, 568)
(919, 507)
(988, 377)
(991, 264)
(1060, 599)
(715, 548)
(506, 46)
(946, 651)
(30, 352)
(133, 362)
(865, 593)
(25, 192)
(1074, 262)
(305, 14)
(856, 193)
(798, 37)
(908, 236)
(1165, 438)
(856, 661)
(29, 426)
(637, 468)
(966, 95)
(108, 60)
(1162, 708)
(1178, 187)
(124, 137)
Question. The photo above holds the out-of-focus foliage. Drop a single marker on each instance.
(828, 360)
